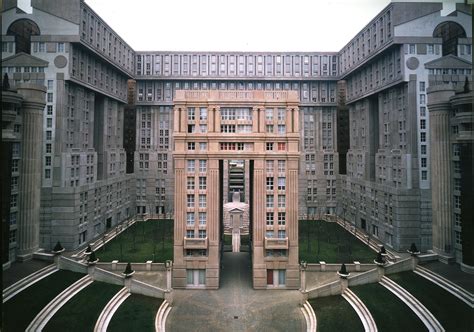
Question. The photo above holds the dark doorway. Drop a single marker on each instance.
(23, 29)
(108, 223)
(363, 224)
(269, 277)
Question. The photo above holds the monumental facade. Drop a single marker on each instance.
(363, 124)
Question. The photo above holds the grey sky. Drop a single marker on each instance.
(240, 25)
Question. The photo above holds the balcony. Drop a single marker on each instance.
(195, 243)
(276, 243)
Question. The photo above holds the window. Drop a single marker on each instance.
(202, 201)
(47, 173)
(430, 49)
(202, 234)
(281, 201)
(203, 146)
(13, 200)
(190, 201)
(422, 86)
(190, 219)
(191, 114)
(190, 233)
(281, 234)
(457, 202)
(269, 128)
(48, 147)
(202, 166)
(49, 122)
(202, 218)
(50, 84)
(423, 149)
(269, 183)
(190, 183)
(422, 124)
(375, 230)
(47, 160)
(424, 175)
(412, 49)
(281, 114)
(423, 162)
(423, 137)
(269, 114)
(269, 166)
(49, 97)
(203, 114)
(422, 99)
(49, 135)
(60, 47)
(190, 165)
(281, 166)
(202, 183)
(269, 218)
(281, 183)
(269, 146)
(281, 218)
(281, 129)
(269, 201)
(422, 111)
(191, 146)
(281, 146)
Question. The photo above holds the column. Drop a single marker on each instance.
(30, 169)
(441, 191)
(259, 226)
(213, 224)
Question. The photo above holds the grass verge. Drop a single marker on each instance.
(334, 313)
(451, 312)
(150, 240)
(388, 311)
(329, 242)
(19, 311)
(82, 311)
(137, 313)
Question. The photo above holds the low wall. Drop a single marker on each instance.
(353, 267)
(368, 277)
(98, 274)
(116, 266)
(65, 263)
(427, 258)
(138, 287)
(333, 288)
(44, 256)
(406, 264)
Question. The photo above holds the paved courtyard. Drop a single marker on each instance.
(236, 306)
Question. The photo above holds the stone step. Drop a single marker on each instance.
(447, 285)
(310, 317)
(24, 283)
(161, 316)
(43, 317)
(110, 309)
(362, 311)
(430, 321)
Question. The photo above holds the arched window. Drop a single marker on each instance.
(23, 29)
(449, 32)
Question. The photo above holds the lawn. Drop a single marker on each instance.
(451, 312)
(137, 313)
(19, 311)
(388, 311)
(329, 242)
(82, 311)
(334, 313)
(150, 240)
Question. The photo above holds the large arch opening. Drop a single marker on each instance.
(23, 29)
(449, 32)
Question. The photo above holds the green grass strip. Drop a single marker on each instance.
(137, 313)
(82, 311)
(150, 240)
(329, 242)
(19, 311)
(334, 313)
(388, 311)
(451, 312)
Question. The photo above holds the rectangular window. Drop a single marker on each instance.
(191, 146)
(281, 201)
(281, 183)
(281, 129)
(269, 201)
(422, 111)
(281, 218)
(202, 234)
(422, 124)
(423, 137)
(281, 234)
(281, 114)
(50, 84)
(269, 114)
(281, 146)
(422, 86)
(269, 146)
(202, 183)
(203, 146)
(49, 97)
(190, 201)
(203, 114)
(202, 218)
(281, 166)
(190, 233)
(269, 218)
(424, 175)
(202, 201)
(190, 219)
(269, 183)
(48, 147)
(190, 165)
(190, 183)
(60, 47)
(269, 166)
(423, 149)
(191, 114)
(269, 129)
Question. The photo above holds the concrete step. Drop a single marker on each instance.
(430, 321)
(310, 317)
(24, 283)
(40, 321)
(161, 316)
(447, 285)
(110, 309)
(364, 314)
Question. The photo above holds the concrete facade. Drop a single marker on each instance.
(363, 117)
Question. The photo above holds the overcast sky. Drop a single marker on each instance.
(238, 25)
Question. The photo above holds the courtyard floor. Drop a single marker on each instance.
(236, 306)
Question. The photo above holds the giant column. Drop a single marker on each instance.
(441, 187)
(30, 169)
